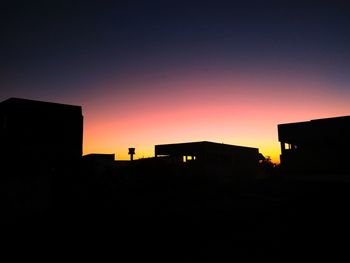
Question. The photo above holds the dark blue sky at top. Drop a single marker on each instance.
(69, 44)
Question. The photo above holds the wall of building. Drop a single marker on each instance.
(40, 134)
(319, 146)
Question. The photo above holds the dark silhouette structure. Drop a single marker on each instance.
(108, 157)
(239, 158)
(131, 153)
(41, 135)
(316, 146)
(98, 163)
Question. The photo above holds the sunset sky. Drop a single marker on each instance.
(153, 72)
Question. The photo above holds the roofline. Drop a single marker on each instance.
(37, 101)
(332, 118)
(198, 142)
(315, 120)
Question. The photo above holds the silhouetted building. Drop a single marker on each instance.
(40, 135)
(236, 158)
(320, 146)
(100, 157)
(99, 163)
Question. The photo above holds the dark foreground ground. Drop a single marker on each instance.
(173, 214)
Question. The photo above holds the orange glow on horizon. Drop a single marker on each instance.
(231, 109)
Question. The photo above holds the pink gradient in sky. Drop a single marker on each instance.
(229, 107)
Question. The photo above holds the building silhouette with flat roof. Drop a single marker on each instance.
(236, 158)
(40, 134)
(316, 146)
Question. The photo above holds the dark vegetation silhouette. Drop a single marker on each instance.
(219, 201)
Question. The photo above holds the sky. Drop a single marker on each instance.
(153, 72)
